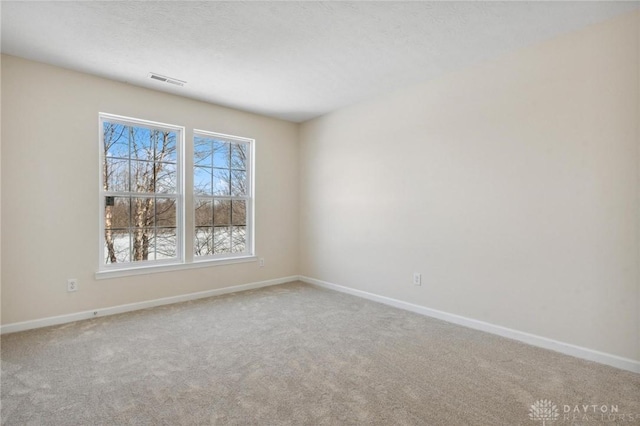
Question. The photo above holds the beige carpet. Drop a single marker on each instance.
(295, 354)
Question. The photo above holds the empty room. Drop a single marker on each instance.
(320, 213)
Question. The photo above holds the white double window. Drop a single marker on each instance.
(142, 195)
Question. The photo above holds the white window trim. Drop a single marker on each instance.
(180, 198)
(250, 198)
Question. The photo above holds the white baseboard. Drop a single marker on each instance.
(531, 339)
(101, 312)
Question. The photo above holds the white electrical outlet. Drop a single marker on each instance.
(72, 284)
(417, 278)
(261, 262)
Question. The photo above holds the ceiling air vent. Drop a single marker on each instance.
(166, 79)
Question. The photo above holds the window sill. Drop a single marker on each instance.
(152, 269)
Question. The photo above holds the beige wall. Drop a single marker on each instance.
(512, 186)
(50, 182)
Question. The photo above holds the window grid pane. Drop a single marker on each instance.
(150, 223)
(227, 197)
(140, 183)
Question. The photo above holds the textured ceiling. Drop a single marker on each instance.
(291, 60)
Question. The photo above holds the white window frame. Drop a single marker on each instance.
(185, 250)
(249, 198)
(179, 195)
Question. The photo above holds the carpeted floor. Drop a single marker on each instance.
(295, 354)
